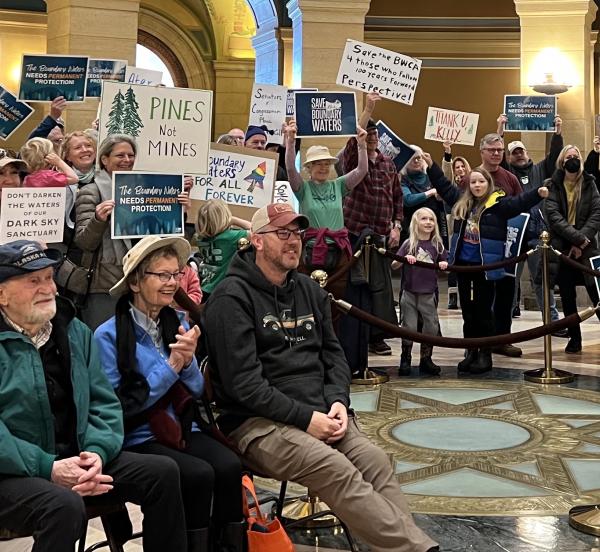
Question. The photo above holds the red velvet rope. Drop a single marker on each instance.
(572, 262)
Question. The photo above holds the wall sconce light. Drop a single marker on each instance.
(551, 72)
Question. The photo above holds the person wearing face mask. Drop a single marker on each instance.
(572, 213)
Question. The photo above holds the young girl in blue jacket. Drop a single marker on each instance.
(480, 216)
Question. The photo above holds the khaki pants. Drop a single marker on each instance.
(353, 477)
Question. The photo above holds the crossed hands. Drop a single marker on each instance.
(330, 427)
(82, 474)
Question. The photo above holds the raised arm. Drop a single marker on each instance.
(355, 176)
(294, 177)
(371, 100)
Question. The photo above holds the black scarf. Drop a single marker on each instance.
(133, 389)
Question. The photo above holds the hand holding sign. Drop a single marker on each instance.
(543, 192)
(58, 105)
(291, 129)
(361, 137)
(427, 157)
(104, 209)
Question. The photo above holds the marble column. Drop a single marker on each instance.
(98, 28)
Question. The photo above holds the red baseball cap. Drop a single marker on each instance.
(277, 214)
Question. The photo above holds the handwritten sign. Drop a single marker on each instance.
(146, 77)
(146, 205)
(282, 193)
(171, 126)
(393, 146)
(45, 77)
(325, 113)
(530, 113)
(13, 113)
(238, 176)
(290, 98)
(268, 107)
(32, 214)
(103, 69)
(371, 69)
(457, 127)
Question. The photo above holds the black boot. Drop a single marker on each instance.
(429, 367)
(465, 365)
(405, 360)
(453, 301)
(483, 362)
(198, 540)
(233, 538)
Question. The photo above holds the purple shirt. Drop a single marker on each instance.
(417, 279)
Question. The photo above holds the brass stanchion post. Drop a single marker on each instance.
(547, 374)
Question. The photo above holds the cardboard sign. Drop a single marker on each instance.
(457, 127)
(32, 214)
(238, 176)
(103, 69)
(325, 114)
(268, 107)
(515, 232)
(371, 69)
(45, 77)
(146, 205)
(393, 146)
(530, 113)
(290, 98)
(145, 77)
(13, 113)
(171, 125)
(282, 193)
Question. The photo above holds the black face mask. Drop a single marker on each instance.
(572, 165)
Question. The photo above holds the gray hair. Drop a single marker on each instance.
(110, 142)
(490, 139)
(227, 139)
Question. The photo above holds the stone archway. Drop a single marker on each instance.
(267, 43)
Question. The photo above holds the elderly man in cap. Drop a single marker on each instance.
(531, 176)
(61, 426)
(283, 386)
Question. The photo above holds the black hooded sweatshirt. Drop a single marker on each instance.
(272, 349)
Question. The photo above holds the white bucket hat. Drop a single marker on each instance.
(142, 249)
(318, 153)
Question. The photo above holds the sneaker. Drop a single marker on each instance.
(573, 346)
(507, 350)
(452, 301)
(516, 313)
(380, 348)
(429, 367)
(564, 333)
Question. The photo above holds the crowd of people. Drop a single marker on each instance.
(100, 377)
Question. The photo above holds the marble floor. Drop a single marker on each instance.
(518, 504)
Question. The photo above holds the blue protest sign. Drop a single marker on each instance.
(595, 262)
(103, 69)
(45, 77)
(146, 205)
(13, 113)
(289, 106)
(325, 113)
(393, 146)
(515, 232)
(530, 113)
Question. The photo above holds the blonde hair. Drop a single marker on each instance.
(560, 164)
(64, 147)
(413, 232)
(468, 201)
(214, 217)
(34, 152)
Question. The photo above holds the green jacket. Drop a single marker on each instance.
(26, 425)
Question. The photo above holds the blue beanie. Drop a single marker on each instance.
(254, 130)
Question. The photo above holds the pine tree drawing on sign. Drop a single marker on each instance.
(131, 119)
(115, 116)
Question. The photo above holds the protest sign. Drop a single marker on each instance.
(595, 262)
(282, 193)
(371, 69)
(325, 113)
(290, 98)
(457, 127)
(393, 146)
(103, 69)
(530, 113)
(32, 214)
(147, 77)
(171, 125)
(515, 232)
(237, 176)
(146, 205)
(13, 113)
(45, 77)
(268, 107)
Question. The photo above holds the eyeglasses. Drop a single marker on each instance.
(164, 277)
(285, 233)
(494, 150)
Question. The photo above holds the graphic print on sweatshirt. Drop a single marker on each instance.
(284, 322)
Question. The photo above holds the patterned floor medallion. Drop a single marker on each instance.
(487, 448)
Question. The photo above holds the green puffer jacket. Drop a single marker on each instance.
(26, 423)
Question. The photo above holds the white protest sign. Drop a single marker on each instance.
(282, 193)
(371, 69)
(171, 126)
(147, 77)
(457, 127)
(238, 176)
(32, 214)
(268, 106)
